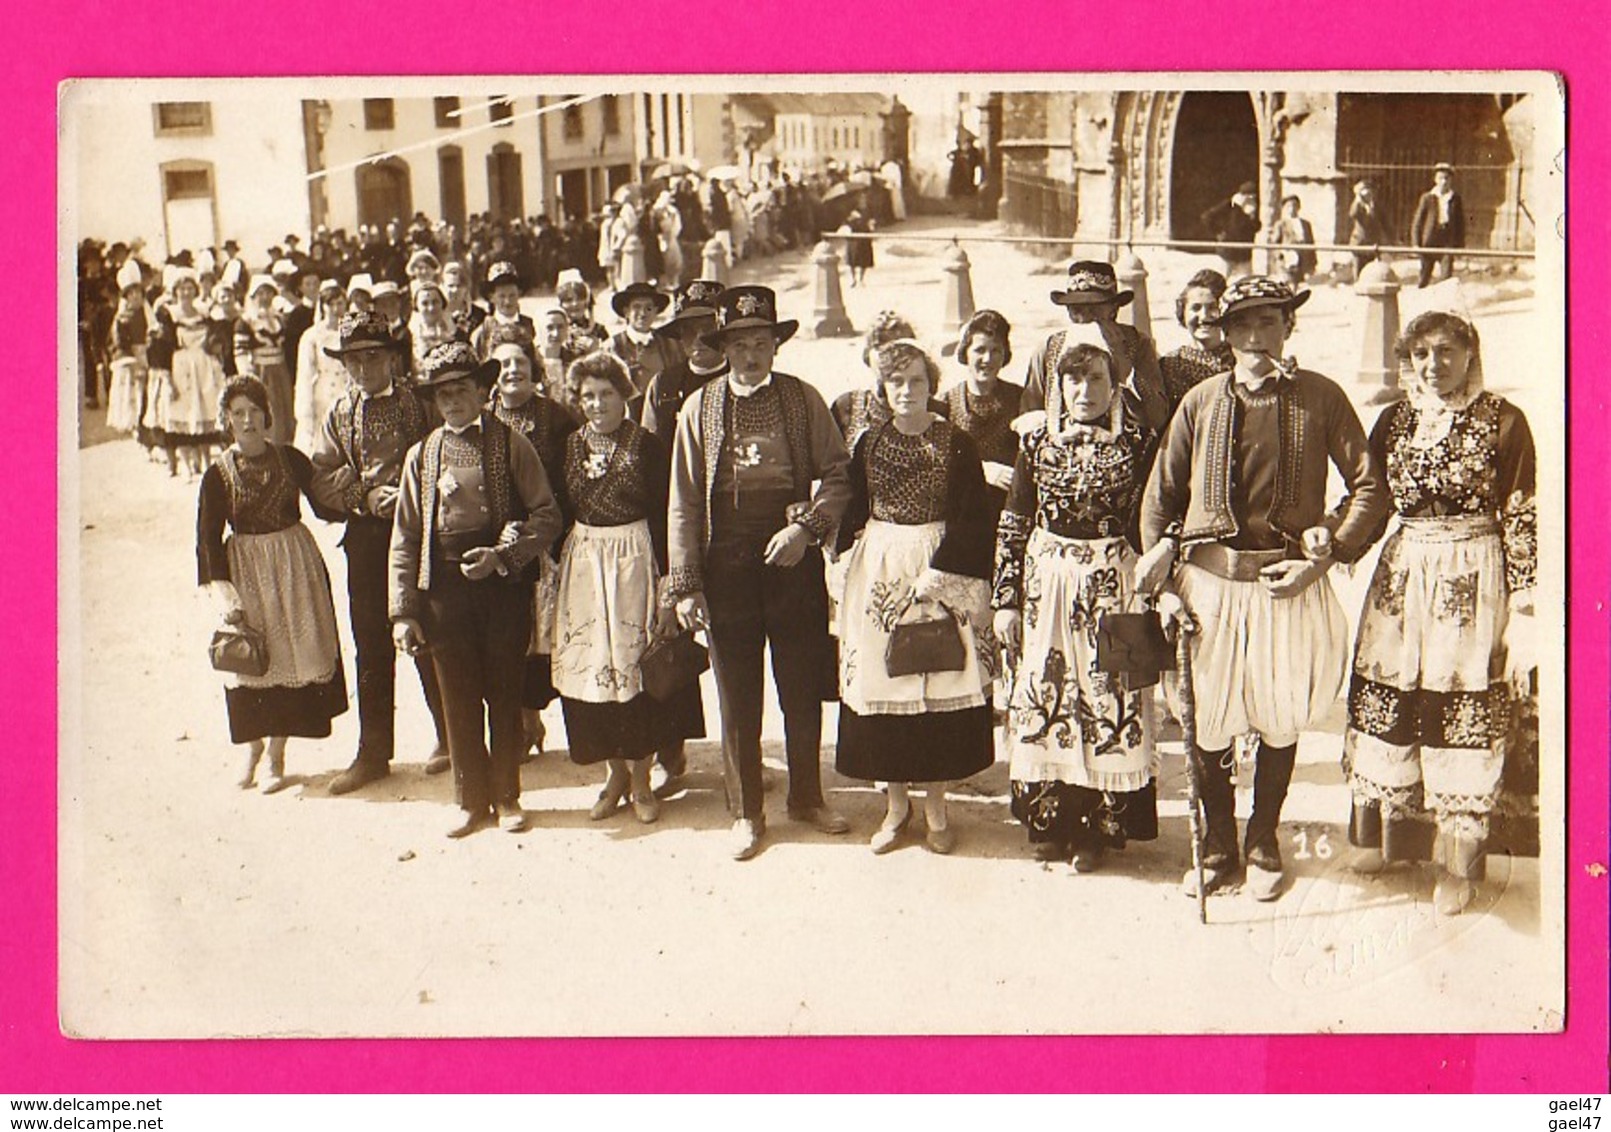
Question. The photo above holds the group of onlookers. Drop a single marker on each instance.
(1439, 222)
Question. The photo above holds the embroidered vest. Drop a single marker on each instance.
(1214, 518)
(349, 412)
(501, 501)
(716, 415)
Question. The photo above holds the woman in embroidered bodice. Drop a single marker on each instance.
(922, 523)
(860, 409)
(1207, 354)
(1082, 762)
(613, 494)
(268, 574)
(1445, 634)
(985, 406)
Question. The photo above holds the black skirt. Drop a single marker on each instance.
(939, 746)
(304, 712)
(633, 730)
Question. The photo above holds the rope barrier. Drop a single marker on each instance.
(1184, 245)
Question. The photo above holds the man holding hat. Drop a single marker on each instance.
(646, 354)
(1093, 296)
(1440, 222)
(475, 507)
(1236, 509)
(358, 462)
(745, 529)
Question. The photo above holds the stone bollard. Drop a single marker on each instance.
(632, 266)
(829, 318)
(958, 294)
(715, 261)
(1132, 275)
(1378, 366)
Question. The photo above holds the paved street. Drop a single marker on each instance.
(193, 909)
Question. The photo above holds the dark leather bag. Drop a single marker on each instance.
(672, 664)
(931, 645)
(1133, 645)
(239, 649)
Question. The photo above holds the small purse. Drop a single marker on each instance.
(1133, 645)
(672, 664)
(239, 649)
(931, 645)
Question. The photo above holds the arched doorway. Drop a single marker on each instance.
(385, 192)
(1216, 148)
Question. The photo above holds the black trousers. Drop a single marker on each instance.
(753, 605)
(477, 634)
(1429, 263)
(367, 543)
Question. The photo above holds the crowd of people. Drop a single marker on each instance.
(532, 507)
(673, 217)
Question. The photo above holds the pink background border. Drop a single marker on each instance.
(167, 38)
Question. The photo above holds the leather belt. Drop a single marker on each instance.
(1234, 565)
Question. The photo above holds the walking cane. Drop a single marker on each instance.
(1194, 790)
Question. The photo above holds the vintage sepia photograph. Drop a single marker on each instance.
(971, 554)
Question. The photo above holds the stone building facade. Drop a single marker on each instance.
(1107, 166)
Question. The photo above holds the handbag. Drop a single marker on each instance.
(1133, 645)
(672, 663)
(931, 645)
(239, 649)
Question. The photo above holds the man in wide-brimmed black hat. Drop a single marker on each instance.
(358, 462)
(473, 509)
(645, 353)
(745, 530)
(692, 318)
(1092, 295)
(1236, 509)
